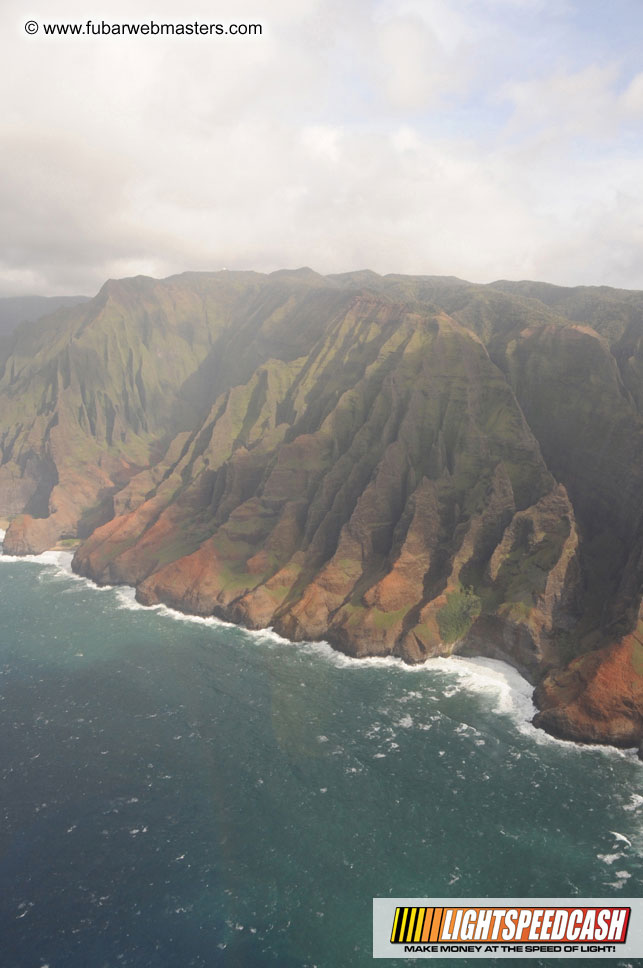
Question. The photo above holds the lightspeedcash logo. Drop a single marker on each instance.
(498, 928)
(456, 925)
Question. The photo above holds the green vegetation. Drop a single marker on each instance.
(338, 431)
(457, 616)
(386, 620)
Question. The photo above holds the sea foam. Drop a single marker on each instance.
(504, 686)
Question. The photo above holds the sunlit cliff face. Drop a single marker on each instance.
(399, 465)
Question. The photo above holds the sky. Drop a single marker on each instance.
(484, 139)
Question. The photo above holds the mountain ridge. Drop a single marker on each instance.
(400, 465)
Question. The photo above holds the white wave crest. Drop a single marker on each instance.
(57, 559)
(500, 682)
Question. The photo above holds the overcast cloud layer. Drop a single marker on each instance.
(478, 138)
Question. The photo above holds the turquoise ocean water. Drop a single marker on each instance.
(180, 792)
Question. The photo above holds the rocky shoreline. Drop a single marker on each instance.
(594, 700)
(577, 704)
(401, 466)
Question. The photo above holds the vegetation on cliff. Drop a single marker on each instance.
(401, 465)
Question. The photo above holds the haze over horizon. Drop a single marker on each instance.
(489, 139)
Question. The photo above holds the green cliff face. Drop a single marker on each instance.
(400, 465)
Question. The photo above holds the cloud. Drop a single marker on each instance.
(588, 103)
(632, 97)
(411, 66)
(400, 135)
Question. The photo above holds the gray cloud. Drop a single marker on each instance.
(380, 134)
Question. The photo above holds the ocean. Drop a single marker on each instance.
(180, 792)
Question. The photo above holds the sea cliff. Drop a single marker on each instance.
(406, 466)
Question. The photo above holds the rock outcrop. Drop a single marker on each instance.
(598, 697)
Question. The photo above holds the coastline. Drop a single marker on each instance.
(515, 692)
